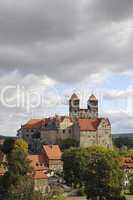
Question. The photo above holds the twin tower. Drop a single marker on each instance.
(90, 112)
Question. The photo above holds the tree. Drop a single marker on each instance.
(17, 182)
(96, 169)
(8, 145)
(103, 174)
(74, 164)
(21, 144)
(21, 190)
(37, 195)
(67, 143)
(57, 193)
(131, 183)
(123, 141)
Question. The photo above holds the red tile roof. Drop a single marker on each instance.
(53, 152)
(37, 162)
(38, 123)
(34, 123)
(39, 167)
(89, 124)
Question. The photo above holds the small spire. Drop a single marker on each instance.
(92, 98)
(74, 96)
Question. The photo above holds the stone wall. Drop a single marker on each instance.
(87, 138)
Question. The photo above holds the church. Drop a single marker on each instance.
(93, 130)
(82, 125)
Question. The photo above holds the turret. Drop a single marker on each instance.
(74, 106)
(92, 105)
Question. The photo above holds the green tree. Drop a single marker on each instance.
(74, 165)
(131, 183)
(103, 174)
(8, 145)
(96, 169)
(21, 144)
(37, 195)
(67, 143)
(17, 182)
(21, 190)
(120, 142)
(57, 193)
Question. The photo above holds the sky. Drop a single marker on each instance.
(50, 49)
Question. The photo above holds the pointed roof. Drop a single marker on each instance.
(92, 98)
(74, 96)
(53, 152)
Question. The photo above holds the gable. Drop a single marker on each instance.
(104, 123)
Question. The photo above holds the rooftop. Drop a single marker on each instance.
(37, 162)
(89, 124)
(53, 152)
(33, 123)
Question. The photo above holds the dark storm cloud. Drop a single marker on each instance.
(35, 20)
(65, 38)
(111, 10)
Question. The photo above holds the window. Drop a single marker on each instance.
(63, 130)
(69, 130)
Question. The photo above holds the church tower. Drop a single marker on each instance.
(74, 106)
(92, 105)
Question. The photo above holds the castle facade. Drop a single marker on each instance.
(82, 125)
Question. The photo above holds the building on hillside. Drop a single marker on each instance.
(40, 172)
(95, 132)
(45, 165)
(76, 112)
(82, 125)
(128, 164)
(52, 154)
(48, 131)
(31, 132)
(59, 128)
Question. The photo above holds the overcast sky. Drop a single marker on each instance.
(55, 48)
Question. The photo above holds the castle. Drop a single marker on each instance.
(82, 125)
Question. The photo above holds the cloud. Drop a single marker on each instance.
(119, 94)
(121, 121)
(20, 99)
(62, 39)
(49, 45)
(113, 11)
(33, 21)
